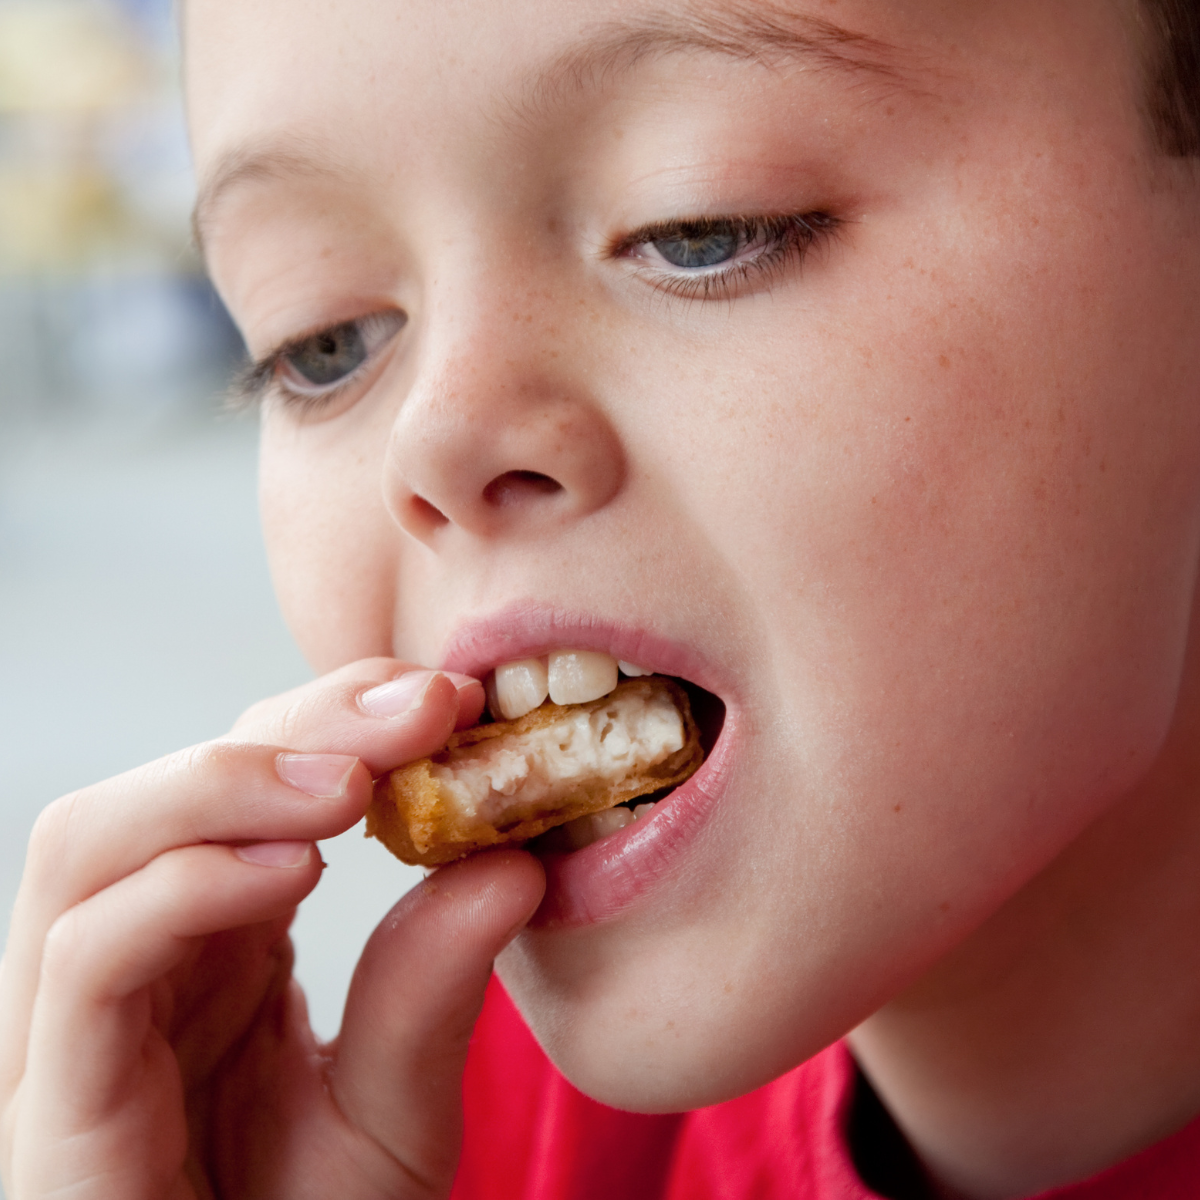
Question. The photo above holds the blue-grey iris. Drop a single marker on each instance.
(327, 358)
(701, 248)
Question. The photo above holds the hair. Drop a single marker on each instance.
(1173, 93)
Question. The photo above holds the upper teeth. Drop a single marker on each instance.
(577, 676)
(518, 687)
(566, 676)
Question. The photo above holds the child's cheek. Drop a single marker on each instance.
(995, 529)
(331, 546)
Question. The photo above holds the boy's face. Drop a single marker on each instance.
(908, 475)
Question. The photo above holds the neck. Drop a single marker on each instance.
(1064, 1034)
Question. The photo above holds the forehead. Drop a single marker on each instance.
(490, 43)
(419, 67)
(280, 85)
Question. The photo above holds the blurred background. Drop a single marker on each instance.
(136, 613)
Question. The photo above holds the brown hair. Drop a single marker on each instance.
(1173, 99)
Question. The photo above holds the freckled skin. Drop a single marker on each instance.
(931, 499)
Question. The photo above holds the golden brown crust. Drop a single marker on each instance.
(410, 817)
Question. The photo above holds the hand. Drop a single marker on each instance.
(152, 1041)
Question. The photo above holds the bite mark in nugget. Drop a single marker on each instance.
(513, 780)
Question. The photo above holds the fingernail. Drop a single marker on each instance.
(322, 775)
(459, 680)
(401, 696)
(276, 854)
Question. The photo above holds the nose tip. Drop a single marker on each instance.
(511, 490)
(500, 464)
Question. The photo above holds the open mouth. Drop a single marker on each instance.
(625, 866)
(573, 677)
(581, 753)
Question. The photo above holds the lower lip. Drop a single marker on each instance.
(610, 876)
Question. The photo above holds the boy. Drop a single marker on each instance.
(835, 356)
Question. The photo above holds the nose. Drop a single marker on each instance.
(498, 437)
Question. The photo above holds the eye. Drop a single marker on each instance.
(314, 369)
(316, 365)
(716, 258)
(695, 245)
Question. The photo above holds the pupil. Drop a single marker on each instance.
(330, 357)
(698, 249)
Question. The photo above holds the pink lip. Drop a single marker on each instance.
(608, 877)
(526, 629)
(611, 875)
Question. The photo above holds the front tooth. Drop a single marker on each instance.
(643, 810)
(632, 669)
(518, 687)
(577, 676)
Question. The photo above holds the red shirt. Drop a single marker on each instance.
(531, 1136)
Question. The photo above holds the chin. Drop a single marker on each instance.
(653, 1024)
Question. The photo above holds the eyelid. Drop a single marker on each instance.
(256, 380)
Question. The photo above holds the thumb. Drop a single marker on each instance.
(413, 1003)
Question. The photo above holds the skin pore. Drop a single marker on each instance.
(915, 480)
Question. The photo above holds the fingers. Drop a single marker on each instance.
(104, 950)
(91, 841)
(380, 710)
(227, 791)
(300, 770)
(414, 1000)
(93, 1061)
(213, 793)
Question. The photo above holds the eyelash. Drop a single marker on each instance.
(786, 239)
(258, 380)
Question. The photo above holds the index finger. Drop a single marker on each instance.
(375, 709)
(233, 789)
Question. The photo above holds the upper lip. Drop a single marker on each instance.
(527, 629)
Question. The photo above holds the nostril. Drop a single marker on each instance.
(513, 487)
(426, 514)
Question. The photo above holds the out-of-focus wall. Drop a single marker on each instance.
(102, 297)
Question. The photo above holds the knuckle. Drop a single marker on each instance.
(46, 832)
(290, 721)
(183, 873)
(255, 714)
(64, 945)
(53, 834)
(219, 762)
(280, 720)
(264, 712)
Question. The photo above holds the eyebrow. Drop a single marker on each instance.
(285, 158)
(756, 31)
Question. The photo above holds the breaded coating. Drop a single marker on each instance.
(513, 780)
